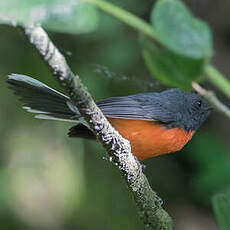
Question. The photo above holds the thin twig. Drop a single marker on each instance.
(118, 148)
(212, 99)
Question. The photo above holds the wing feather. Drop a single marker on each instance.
(143, 106)
(124, 108)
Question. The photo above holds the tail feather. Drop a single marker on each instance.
(48, 103)
(81, 131)
(41, 99)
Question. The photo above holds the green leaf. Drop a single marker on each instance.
(221, 207)
(169, 68)
(180, 31)
(57, 15)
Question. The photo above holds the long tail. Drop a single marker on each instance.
(42, 100)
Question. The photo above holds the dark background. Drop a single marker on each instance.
(48, 181)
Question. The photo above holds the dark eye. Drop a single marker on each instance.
(199, 103)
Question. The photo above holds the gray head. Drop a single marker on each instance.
(187, 110)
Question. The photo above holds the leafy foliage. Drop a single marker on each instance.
(170, 68)
(179, 31)
(186, 45)
(58, 15)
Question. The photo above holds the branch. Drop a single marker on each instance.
(212, 99)
(218, 79)
(118, 148)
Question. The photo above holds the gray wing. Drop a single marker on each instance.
(123, 107)
(144, 106)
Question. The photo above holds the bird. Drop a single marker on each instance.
(155, 123)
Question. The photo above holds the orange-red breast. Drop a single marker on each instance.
(154, 123)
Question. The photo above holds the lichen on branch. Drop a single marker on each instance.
(148, 203)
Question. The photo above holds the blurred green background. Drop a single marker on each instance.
(48, 181)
